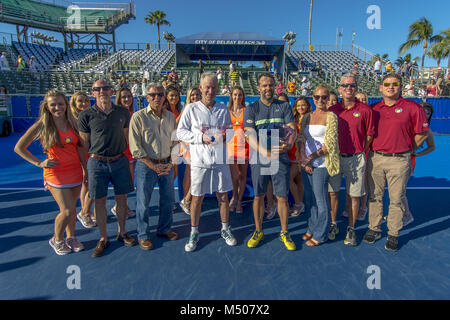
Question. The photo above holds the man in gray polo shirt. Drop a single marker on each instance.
(103, 130)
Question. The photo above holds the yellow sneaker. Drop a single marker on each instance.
(286, 238)
(255, 239)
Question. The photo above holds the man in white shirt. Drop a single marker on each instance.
(377, 66)
(4, 66)
(203, 125)
(306, 87)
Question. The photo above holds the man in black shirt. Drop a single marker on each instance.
(103, 130)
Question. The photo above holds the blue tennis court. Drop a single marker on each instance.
(29, 268)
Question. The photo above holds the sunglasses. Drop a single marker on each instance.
(346, 85)
(98, 89)
(395, 84)
(153, 95)
(320, 97)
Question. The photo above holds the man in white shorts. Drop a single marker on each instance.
(203, 125)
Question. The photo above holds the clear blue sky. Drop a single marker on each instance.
(271, 17)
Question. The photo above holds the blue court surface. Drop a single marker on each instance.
(29, 268)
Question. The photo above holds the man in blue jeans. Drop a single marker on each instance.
(103, 131)
(150, 142)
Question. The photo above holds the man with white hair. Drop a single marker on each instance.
(203, 125)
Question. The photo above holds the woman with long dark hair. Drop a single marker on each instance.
(124, 98)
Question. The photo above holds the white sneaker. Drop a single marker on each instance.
(74, 244)
(271, 211)
(86, 221)
(192, 243)
(60, 248)
(228, 236)
(362, 214)
(297, 209)
(130, 212)
(186, 207)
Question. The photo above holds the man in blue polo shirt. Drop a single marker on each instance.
(274, 117)
(103, 130)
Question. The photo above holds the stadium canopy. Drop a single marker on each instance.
(237, 46)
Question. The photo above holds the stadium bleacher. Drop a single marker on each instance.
(45, 55)
(153, 60)
(336, 61)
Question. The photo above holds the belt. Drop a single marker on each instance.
(159, 160)
(400, 154)
(348, 155)
(107, 159)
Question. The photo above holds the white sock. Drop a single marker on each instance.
(194, 229)
(225, 225)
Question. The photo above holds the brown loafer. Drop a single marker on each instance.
(100, 248)
(169, 235)
(126, 239)
(145, 244)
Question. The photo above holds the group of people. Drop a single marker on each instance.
(88, 147)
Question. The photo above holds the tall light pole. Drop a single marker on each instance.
(310, 21)
(353, 39)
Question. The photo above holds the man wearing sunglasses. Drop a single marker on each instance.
(400, 126)
(150, 142)
(355, 132)
(103, 130)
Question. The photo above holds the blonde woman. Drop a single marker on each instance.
(319, 156)
(192, 95)
(64, 167)
(78, 103)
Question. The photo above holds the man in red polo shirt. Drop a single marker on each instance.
(355, 132)
(400, 126)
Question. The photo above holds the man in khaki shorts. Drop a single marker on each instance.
(400, 126)
(355, 130)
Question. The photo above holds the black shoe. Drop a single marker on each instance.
(391, 243)
(371, 236)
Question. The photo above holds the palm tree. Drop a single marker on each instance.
(441, 49)
(157, 17)
(420, 31)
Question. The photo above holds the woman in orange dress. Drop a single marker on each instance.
(237, 149)
(64, 166)
(78, 103)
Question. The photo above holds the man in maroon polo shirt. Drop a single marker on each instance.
(400, 126)
(355, 132)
